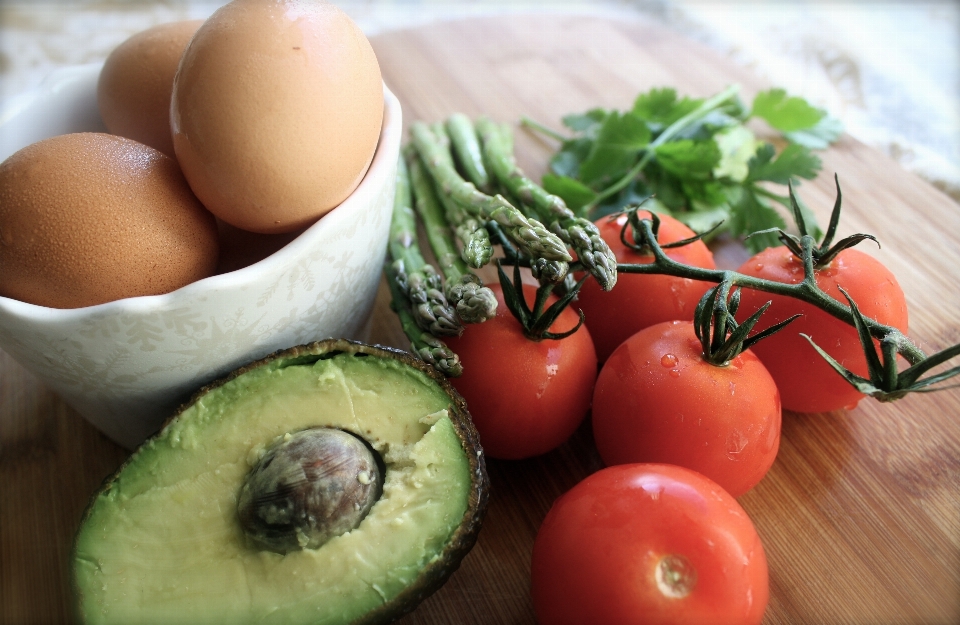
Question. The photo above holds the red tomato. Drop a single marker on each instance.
(644, 543)
(638, 301)
(806, 382)
(526, 397)
(658, 400)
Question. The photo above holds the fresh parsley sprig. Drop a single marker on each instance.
(696, 157)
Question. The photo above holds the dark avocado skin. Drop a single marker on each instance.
(435, 574)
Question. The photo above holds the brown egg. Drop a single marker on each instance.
(276, 112)
(89, 218)
(133, 92)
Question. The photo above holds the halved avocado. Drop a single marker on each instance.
(163, 540)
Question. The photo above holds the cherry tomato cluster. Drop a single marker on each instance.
(686, 406)
(680, 434)
(655, 400)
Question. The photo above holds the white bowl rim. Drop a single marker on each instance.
(390, 135)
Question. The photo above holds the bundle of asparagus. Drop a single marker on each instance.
(462, 181)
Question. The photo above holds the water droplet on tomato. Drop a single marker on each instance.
(733, 388)
(758, 266)
(674, 373)
(669, 360)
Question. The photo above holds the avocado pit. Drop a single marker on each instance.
(307, 488)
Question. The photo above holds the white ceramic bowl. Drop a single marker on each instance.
(126, 365)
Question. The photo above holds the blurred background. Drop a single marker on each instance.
(889, 69)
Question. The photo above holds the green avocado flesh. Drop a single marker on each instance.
(162, 542)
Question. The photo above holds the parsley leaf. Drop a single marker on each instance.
(584, 122)
(661, 107)
(618, 142)
(794, 161)
(573, 192)
(751, 213)
(819, 137)
(686, 158)
(705, 218)
(566, 162)
(737, 147)
(785, 113)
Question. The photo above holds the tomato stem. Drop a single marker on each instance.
(806, 290)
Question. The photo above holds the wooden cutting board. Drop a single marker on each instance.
(860, 514)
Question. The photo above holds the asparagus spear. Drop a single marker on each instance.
(474, 302)
(581, 234)
(477, 250)
(530, 236)
(416, 278)
(546, 271)
(429, 348)
(466, 147)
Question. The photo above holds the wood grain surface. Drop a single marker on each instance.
(860, 514)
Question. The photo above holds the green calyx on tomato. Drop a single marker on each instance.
(720, 336)
(822, 254)
(537, 320)
(885, 382)
(805, 375)
(637, 240)
(882, 380)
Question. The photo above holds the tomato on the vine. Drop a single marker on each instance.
(642, 544)
(638, 301)
(658, 400)
(806, 382)
(526, 397)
